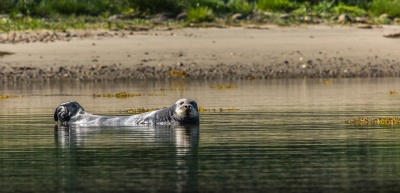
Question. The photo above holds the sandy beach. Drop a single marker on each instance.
(207, 53)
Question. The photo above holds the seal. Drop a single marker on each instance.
(184, 111)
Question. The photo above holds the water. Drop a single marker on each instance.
(288, 136)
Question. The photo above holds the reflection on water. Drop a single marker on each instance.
(288, 136)
(157, 158)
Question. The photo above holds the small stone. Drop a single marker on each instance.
(364, 26)
(285, 16)
(361, 20)
(343, 18)
(307, 19)
(384, 16)
(237, 16)
(181, 16)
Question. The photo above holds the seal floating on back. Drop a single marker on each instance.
(184, 111)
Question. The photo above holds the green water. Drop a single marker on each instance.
(288, 136)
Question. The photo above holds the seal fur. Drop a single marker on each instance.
(184, 111)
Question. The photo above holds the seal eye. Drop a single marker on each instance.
(181, 103)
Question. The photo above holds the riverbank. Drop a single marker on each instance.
(252, 52)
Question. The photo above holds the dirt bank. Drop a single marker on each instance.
(205, 53)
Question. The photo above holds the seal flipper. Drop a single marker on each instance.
(66, 110)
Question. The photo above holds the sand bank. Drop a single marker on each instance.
(207, 53)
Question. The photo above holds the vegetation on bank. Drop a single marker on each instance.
(63, 14)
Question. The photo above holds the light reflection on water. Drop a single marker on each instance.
(288, 136)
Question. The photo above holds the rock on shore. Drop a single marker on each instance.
(332, 68)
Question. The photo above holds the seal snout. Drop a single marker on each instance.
(188, 109)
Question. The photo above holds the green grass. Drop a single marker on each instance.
(323, 7)
(352, 10)
(391, 7)
(62, 24)
(46, 8)
(200, 14)
(84, 14)
(276, 5)
(239, 6)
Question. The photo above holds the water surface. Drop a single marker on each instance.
(288, 136)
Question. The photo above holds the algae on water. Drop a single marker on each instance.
(374, 121)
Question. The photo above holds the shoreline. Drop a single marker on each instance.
(269, 52)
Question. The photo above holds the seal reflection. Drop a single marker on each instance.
(169, 152)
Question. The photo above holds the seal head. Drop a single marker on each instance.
(66, 110)
(186, 111)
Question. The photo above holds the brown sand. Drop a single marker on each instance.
(310, 51)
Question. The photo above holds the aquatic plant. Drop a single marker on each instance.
(156, 94)
(393, 92)
(173, 89)
(139, 110)
(374, 121)
(326, 82)
(5, 96)
(224, 87)
(178, 73)
(201, 109)
(123, 95)
(251, 77)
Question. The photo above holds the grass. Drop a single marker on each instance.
(323, 7)
(61, 24)
(243, 7)
(60, 15)
(346, 9)
(276, 5)
(390, 7)
(200, 14)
